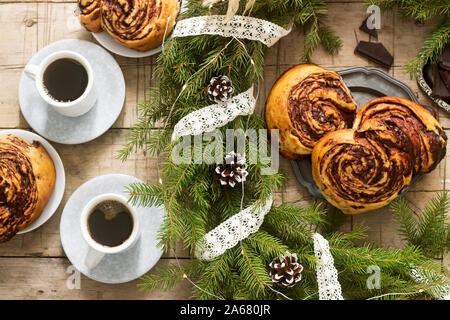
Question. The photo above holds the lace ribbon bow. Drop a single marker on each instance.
(242, 27)
(215, 116)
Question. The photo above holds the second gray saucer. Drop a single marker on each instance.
(110, 87)
(114, 268)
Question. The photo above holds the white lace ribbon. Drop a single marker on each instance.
(327, 275)
(230, 232)
(239, 26)
(215, 116)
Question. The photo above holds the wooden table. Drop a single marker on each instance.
(34, 266)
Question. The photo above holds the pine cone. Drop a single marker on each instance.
(220, 89)
(286, 271)
(232, 171)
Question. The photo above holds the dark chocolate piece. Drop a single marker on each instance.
(373, 32)
(376, 52)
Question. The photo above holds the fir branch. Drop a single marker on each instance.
(433, 231)
(267, 244)
(252, 270)
(144, 195)
(432, 47)
(314, 14)
(167, 278)
(405, 217)
(429, 230)
(218, 271)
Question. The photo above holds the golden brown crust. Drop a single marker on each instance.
(90, 15)
(365, 168)
(27, 179)
(136, 24)
(358, 175)
(306, 103)
(407, 125)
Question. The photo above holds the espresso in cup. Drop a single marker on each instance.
(110, 223)
(65, 80)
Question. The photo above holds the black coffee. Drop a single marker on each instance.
(65, 80)
(110, 223)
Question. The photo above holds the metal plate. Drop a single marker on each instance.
(365, 84)
(425, 83)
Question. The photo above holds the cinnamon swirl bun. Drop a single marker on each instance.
(402, 123)
(90, 15)
(356, 174)
(366, 167)
(306, 103)
(137, 24)
(27, 179)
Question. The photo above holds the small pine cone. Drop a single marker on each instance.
(232, 171)
(220, 89)
(286, 271)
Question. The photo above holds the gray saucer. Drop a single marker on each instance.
(118, 268)
(109, 85)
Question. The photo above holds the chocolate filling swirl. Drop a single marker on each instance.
(89, 6)
(403, 124)
(319, 104)
(18, 190)
(130, 19)
(366, 167)
(90, 16)
(365, 170)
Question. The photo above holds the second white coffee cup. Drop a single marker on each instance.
(96, 250)
(73, 108)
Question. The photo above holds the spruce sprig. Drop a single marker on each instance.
(432, 48)
(427, 229)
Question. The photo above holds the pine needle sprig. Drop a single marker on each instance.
(252, 270)
(144, 195)
(432, 48)
(427, 229)
(165, 279)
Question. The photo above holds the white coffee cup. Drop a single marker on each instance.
(74, 108)
(96, 250)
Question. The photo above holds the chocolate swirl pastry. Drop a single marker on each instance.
(356, 174)
(90, 16)
(404, 124)
(367, 167)
(27, 179)
(136, 24)
(306, 103)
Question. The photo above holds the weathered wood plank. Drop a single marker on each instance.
(18, 39)
(53, 278)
